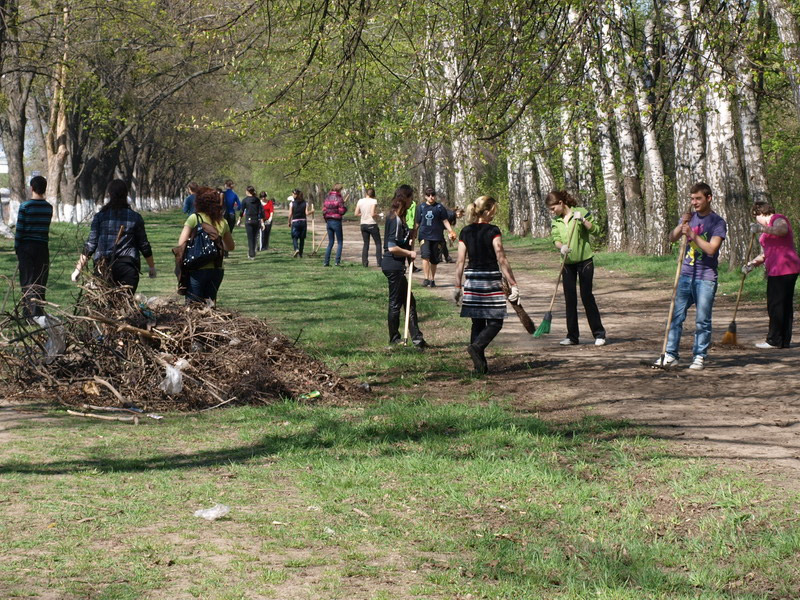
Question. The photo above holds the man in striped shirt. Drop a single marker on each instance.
(31, 245)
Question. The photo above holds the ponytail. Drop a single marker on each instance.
(479, 208)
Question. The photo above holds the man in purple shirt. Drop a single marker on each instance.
(705, 230)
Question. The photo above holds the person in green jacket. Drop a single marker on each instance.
(570, 230)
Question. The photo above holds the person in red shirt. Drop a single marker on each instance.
(268, 204)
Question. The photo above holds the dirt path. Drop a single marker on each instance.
(742, 409)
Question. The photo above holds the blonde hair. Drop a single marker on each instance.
(480, 208)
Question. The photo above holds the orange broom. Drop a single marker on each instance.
(729, 339)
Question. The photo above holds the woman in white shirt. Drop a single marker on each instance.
(367, 209)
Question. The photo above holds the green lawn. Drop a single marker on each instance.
(407, 496)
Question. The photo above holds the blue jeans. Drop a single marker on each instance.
(299, 229)
(700, 293)
(204, 284)
(334, 229)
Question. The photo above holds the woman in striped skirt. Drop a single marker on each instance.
(482, 297)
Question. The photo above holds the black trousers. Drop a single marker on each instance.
(253, 231)
(780, 301)
(265, 236)
(484, 331)
(398, 290)
(124, 271)
(367, 232)
(34, 270)
(582, 272)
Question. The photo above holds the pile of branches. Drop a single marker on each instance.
(116, 349)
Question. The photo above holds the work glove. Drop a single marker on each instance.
(565, 250)
(577, 217)
(513, 296)
(457, 294)
(152, 272)
(756, 228)
(747, 268)
(75, 274)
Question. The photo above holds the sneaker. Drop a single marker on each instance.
(668, 363)
(425, 283)
(568, 342)
(420, 344)
(251, 258)
(766, 346)
(296, 254)
(697, 364)
(431, 283)
(450, 260)
(478, 360)
(600, 342)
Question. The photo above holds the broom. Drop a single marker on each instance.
(544, 327)
(526, 321)
(729, 339)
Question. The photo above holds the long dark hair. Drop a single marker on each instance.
(207, 201)
(117, 192)
(402, 200)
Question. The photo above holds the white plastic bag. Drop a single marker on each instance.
(56, 336)
(173, 381)
(212, 514)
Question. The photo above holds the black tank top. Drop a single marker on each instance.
(298, 210)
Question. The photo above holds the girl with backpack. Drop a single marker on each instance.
(204, 282)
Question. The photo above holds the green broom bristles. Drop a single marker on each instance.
(544, 327)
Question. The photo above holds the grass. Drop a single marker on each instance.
(411, 498)
(404, 497)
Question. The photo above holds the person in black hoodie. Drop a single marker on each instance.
(253, 215)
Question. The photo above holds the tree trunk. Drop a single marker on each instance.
(724, 167)
(568, 146)
(518, 210)
(789, 36)
(686, 107)
(615, 209)
(652, 234)
(750, 126)
(629, 168)
(586, 188)
(539, 215)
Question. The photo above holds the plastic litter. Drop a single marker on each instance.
(173, 381)
(212, 514)
(56, 336)
(309, 395)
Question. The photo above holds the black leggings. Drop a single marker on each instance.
(484, 331)
(582, 272)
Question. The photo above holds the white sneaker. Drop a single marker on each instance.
(668, 363)
(600, 342)
(766, 346)
(568, 342)
(697, 364)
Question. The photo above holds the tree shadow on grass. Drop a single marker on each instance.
(439, 430)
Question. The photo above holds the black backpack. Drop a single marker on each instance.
(204, 246)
